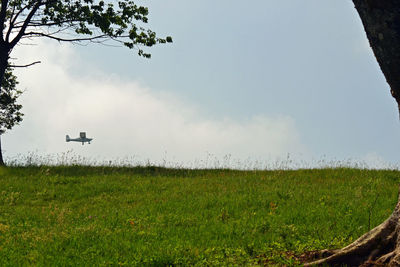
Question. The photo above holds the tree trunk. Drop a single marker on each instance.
(381, 245)
(4, 55)
(381, 20)
(1, 155)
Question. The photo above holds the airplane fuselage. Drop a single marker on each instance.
(81, 139)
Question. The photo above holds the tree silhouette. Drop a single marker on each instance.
(10, 110)
(93, 21)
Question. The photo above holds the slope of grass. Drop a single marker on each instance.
(155, 216)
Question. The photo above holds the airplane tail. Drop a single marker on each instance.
(67, 138)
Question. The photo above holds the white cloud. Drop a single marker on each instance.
(126, 118)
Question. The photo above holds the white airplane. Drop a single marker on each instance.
(82, 138)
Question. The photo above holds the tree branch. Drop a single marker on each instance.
(40, 34)
(38, 23)
(24, 66)
(12, 22)
(26, 23)
(3, 14)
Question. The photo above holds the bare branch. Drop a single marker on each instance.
(38, 23)
(12, 22)
(3, 14)
(8, 27)
(40, 34)
(26, 23)
(24, 66)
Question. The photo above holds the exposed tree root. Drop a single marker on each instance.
(378, 247)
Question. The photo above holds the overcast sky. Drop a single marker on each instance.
(248, 82)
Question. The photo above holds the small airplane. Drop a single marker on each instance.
(82, 138)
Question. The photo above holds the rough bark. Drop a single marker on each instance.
(381, 245)
(4, 56)
(381, 20)
(1, 155)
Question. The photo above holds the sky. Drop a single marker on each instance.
(257, 84)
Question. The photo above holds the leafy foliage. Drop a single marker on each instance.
(10, 113)
(77, 21)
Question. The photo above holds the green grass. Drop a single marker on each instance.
(150, 216)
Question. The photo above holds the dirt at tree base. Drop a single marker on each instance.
(378, 247)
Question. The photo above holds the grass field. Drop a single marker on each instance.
(150, 216)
